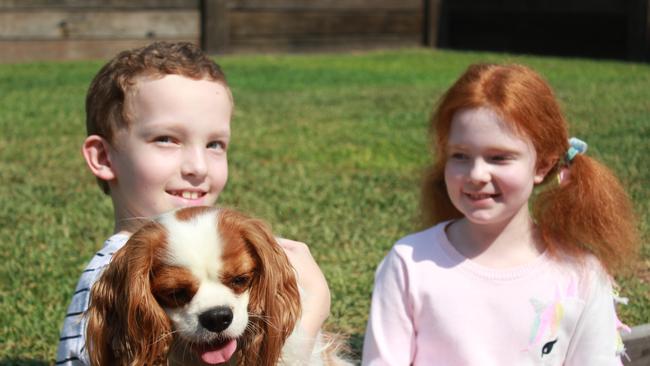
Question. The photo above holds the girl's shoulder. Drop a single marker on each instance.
(586, 266)
(428, 243)
(423, 237)
(586, 273)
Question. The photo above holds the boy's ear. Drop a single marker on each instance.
(95, 151)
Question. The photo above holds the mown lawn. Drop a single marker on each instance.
(327, 148)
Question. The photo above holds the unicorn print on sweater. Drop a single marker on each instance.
(548, 317)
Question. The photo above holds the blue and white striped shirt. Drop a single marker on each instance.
(72, 350)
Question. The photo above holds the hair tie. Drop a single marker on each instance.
(576, 146)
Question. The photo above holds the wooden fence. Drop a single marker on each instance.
(82, 29)
(77, 29)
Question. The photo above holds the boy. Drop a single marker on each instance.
(158, 123)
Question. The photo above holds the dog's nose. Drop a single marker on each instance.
(216, 319)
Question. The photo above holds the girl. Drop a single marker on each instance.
(494, 282)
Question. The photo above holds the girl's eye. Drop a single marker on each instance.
(458, 156)
(501, 158)
(217, 145)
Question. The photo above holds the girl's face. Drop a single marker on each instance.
(490, 170)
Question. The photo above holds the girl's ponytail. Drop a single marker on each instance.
(588, 212)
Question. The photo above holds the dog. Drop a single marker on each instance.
(201, 286)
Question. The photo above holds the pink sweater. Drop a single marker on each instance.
(432, 306)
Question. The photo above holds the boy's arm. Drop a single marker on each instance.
(316, 303)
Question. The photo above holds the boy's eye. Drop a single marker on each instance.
(164, 139)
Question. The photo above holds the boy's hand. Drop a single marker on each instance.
(316, 302)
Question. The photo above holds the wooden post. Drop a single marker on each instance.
(215, 35)
(431, 9)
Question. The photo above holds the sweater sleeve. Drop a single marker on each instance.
(390, 334)
(596, 340)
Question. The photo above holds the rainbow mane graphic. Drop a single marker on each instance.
(549, 316)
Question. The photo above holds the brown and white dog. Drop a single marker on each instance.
(200, 286)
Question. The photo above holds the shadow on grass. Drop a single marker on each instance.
(23, 362)
(355, 342)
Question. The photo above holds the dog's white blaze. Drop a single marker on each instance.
(195, 244)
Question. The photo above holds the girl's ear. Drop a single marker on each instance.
(542, 170)
(95, 150)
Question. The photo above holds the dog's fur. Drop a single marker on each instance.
(194, 282)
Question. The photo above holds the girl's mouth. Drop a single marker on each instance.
(480, 196)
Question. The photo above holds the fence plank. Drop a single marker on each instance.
(367, 5)
(310, 23)
(21, 51)
(320, 43)
(94, 4)
(53, 25)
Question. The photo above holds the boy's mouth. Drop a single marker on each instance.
(188, 195)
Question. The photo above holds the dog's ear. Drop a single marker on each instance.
(274, 302)
(126, 325)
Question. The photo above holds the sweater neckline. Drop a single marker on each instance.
(502, 274)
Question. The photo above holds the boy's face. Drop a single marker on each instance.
(174, 153)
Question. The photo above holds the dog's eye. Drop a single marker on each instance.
(241, 281)
(175, 297)
(181, 296)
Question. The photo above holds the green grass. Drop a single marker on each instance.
(327, 148)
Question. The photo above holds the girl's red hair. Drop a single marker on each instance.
(591, 213)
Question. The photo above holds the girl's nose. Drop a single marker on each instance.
(479, 171)
(194, 163)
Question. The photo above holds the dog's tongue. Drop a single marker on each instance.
(221, 354)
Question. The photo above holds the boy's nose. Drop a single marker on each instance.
(479, 171)
(194, 163)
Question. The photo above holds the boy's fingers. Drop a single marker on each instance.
(317, 298)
